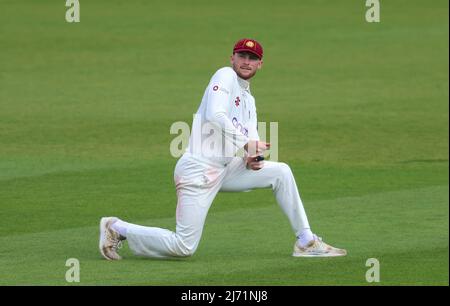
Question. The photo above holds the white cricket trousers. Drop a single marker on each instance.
(197, 183)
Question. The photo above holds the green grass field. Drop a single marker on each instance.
(85, 112)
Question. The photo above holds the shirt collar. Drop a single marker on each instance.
(244, 84)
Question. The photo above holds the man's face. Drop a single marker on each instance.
(245, 64)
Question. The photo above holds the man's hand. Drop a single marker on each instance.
(255, 150)
(255, 147)
(255, 162)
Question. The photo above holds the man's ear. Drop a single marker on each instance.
(260, 64)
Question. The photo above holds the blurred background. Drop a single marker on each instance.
(362, 108)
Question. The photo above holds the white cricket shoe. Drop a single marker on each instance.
(317, 248)
(110, 240)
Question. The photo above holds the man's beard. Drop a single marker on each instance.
(241, 76)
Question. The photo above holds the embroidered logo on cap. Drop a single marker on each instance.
(250, 44)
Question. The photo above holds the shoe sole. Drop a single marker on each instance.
(103, 222)
(319, 255)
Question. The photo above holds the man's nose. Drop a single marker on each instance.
(247, 59)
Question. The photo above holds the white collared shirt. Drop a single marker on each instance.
(229, 106)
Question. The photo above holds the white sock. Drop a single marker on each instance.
(121, 227)
(305, 237)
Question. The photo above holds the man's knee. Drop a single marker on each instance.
(186, 251)
(186, 246)
(284, 170)
(283, 176)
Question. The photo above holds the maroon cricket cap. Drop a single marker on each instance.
(249, 45)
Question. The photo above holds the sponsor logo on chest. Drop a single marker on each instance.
(239, 126)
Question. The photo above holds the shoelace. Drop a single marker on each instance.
(319, 240)
(116, 243)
